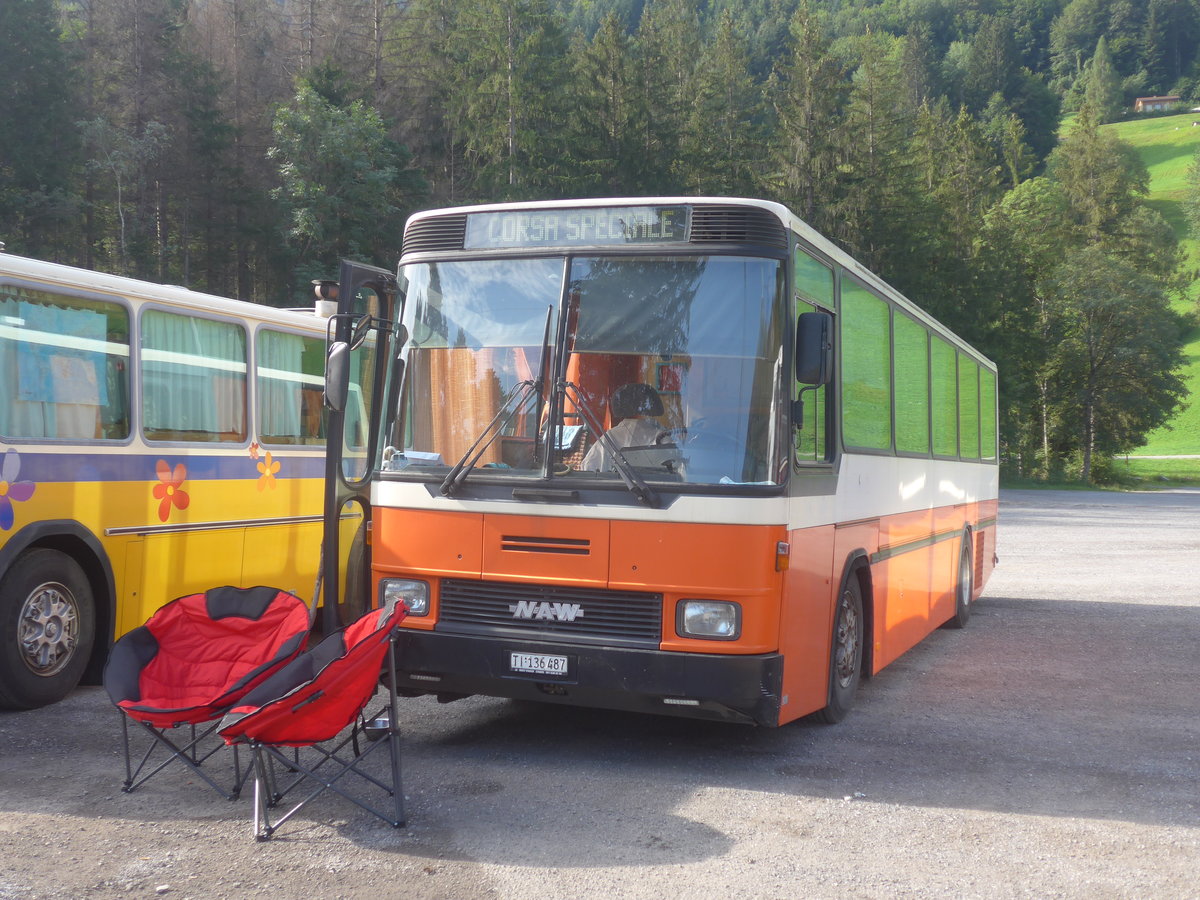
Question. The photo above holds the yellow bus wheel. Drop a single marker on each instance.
(47, 627)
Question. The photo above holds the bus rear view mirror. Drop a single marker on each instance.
(361, 330)
(337, 376)
(814, 345)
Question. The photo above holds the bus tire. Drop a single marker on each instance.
(845, 652)
(47, 628)
(964, 586)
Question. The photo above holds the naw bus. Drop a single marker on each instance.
(670, 455)
(154, 441)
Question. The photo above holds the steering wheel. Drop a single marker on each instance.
(676, 436)
(701, 440)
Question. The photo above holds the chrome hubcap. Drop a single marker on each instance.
(48, 629)
(846, 649)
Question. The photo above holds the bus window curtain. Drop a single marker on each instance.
(282, 388)
(470, 398)
(193, 378)
(56, 387)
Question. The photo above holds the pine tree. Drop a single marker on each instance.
(199, 182)
(667, 47)
(1101, 86)
(37, 145)
(992, 63)
(807, 91)
(1102, 177)
(608, 122)
(722, 146)
(422, 40)
(1006, 132)
(1073, 37)
(505, 96)
(1167, 44)
(877, 184)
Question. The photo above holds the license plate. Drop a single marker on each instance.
(538, 663)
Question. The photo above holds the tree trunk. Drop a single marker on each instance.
(1045, 416)
(1089, 439)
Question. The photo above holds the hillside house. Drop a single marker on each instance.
(1156, 104)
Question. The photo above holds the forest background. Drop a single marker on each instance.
(957, 147)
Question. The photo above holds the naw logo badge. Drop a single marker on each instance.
(555, 612)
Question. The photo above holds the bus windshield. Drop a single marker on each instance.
(669, 366)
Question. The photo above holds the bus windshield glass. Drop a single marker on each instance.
(670, 366)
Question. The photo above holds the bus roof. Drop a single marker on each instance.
(809, 234)
(57, 274)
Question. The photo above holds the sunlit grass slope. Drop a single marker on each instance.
(1168, 145)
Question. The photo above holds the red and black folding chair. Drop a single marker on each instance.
(311, 701)
(191, 662)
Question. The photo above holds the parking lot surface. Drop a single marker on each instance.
(1052, 749)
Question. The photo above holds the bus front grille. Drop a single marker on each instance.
(553, 612)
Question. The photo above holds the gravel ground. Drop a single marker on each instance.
(1050, 750)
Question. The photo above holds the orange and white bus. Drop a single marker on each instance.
(154, 441)
(672, 455)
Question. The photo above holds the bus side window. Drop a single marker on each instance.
(813, 285)
(290, 380)
(64, 361)
(193, 378)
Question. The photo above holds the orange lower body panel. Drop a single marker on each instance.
(787, 610)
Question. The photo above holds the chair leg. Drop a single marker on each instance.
(393, 734)
(311, 773)
(262, 791)
(128, 762)
(188, 754)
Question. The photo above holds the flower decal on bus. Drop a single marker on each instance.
(254, 448)
(267, 469)
(11, 490)
(169, 491)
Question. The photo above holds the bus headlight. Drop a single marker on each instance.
(714, 620)
(413, 594)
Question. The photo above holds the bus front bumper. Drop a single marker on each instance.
(714, 686)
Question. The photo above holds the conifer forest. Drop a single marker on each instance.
(956, 147)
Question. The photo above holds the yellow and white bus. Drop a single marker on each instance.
(675, 455)
(154, 441)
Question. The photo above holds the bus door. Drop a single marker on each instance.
(362, 340)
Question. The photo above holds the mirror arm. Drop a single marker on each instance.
(798, 405)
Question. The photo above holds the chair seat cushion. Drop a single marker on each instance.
(199, 654)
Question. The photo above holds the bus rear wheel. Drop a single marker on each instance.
(845, 653)
(47, 628)
(964, 586)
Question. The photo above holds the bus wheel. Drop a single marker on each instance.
(47, 627)
(963, 586)
(846, 653)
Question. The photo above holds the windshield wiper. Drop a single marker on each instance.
(466, 462)
(528, 388)
(636, 484)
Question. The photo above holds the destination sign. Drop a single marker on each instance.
(598, 226)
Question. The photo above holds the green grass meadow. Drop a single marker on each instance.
(1168, 145)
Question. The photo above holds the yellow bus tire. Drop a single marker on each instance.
(47, 627)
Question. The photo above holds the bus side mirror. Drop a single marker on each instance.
(814, 348)
(337, 376)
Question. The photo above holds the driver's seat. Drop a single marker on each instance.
(635, 399)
